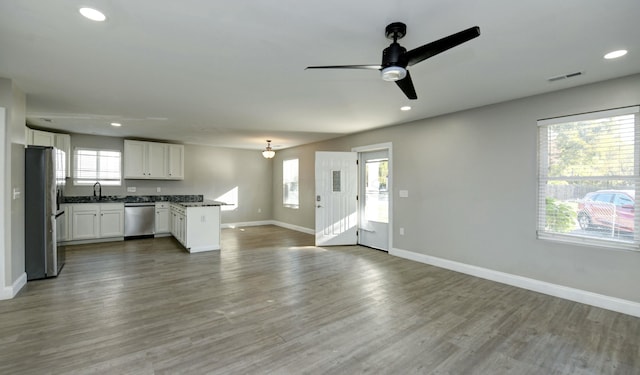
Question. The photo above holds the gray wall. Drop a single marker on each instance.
(12, 177)
(209, 171)
(472, 179)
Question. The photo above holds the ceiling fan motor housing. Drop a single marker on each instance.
(393, 56)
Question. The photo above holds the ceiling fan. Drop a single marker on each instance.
(396, 58)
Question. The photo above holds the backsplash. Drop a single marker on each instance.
(133, 198)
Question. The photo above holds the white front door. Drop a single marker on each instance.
(336, 198)
(374, 199)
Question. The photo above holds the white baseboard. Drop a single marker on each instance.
(200, 249)
(577, 295)
(246, 224)
(294, 227)
(268, 222)
(11, 291)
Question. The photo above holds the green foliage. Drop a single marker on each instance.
(603, 147)
(560, 216)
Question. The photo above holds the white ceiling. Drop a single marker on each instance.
(232, 73)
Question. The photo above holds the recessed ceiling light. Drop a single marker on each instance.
(405, 108)
(116, 124)
(615, 54)
(93, 14)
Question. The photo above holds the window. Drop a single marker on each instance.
(589, 170)
(290, 183)
(91, 166)
(376, 200)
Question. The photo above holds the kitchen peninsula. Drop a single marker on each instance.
(190, 219)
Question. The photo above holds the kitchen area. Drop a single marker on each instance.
(91, 213)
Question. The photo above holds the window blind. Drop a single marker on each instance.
(588, 174)
(93, 166)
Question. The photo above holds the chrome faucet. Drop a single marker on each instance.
(99, 190)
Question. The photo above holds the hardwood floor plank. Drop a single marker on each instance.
(271, 302)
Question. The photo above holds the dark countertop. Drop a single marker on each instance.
(137, 199)
(204, 203)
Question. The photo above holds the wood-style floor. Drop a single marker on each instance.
(271, 303)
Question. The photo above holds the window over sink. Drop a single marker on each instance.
(94, 165)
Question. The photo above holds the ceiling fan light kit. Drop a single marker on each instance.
(393, 73)
(396, 58)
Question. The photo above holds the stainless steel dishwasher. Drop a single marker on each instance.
(139, 220)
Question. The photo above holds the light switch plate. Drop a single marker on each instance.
(158, 189)
(131, 189)
(404, 193)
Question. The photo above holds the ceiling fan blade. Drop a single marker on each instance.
(372, 67)
(431, 49)
(406, 85)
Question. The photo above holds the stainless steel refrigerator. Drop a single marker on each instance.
(44, 219)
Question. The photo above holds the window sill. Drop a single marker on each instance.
(592, 242)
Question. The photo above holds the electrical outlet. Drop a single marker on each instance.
(402, 231)
(259, 210)
(158, 189)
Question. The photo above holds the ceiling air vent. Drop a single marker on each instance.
(563, 76)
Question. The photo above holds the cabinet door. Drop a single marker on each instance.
(84, 221)
(112, 222)
(157, 155)
(42, 138)
(63, 142)
(135, 159)
(162, 220)
(176, 162)
(183, 229)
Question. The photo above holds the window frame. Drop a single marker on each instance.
(105, 182)
(543, 179)
(285, 181)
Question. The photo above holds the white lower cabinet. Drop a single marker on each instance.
(163, 224)
(96, 220)
(196, 228)
(111, 220)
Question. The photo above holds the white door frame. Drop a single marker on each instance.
(377, 147)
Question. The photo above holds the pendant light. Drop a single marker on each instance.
(268, 153)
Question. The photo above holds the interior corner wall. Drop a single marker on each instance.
(472, 183)
(12, 129)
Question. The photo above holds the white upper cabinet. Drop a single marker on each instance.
(152, 160)
(176, 162)
(63, 142)
(157, 160)
(40, 138)
(135, 156)
(57, 140)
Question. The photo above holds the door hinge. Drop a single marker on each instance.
(357, 162)
(357, 197)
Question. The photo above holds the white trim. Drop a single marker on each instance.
(590, 116)
(390, 186)
(376, 147)
(246, 224)
(294, 227)
(268, 222)
(11, 291)
(577, 295)
(200, 249)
